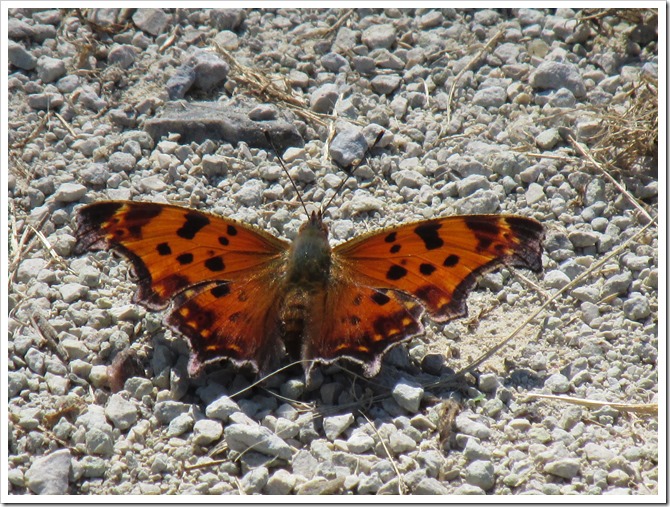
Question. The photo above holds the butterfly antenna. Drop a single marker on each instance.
(353, 170)
(283, 166)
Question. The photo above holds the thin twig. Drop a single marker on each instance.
(637, 408)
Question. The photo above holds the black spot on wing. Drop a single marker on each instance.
(427, 269)
(193, 224)
(163, 249)
(451, 261)
(380, 298)
(395, 249)
(391, 237)
(215, 264)
(396, 272)
(429, 235)
(232, 230)
(220, 290)
(184, 259)
(224, 241)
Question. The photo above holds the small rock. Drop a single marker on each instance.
(408, 395)
(121, 412)
(493, 96)
(122, 55)
(304, 464)
(567, 468)
(636, 307)
(165, 411)
(557, 383)
(69, 192)
(554, 75)
(547, 139)
(386, 83)
(50, 69)
(323, 99)
(481, 474)
(430, 486)
(254, 480)
(71, 292)
(281, 483)
(476, 429)
(240, 437)
(222, 408)
(49, 475)
(20, 57)
(379, 36)
(151, 21)
(334, 426)
(348, 146)
(206, 431)
(360, 442)
(399, 443)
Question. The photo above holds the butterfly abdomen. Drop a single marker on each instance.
(293, 313)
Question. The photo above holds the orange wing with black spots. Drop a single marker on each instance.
(438, 261)
(359, 323)
(220, 275)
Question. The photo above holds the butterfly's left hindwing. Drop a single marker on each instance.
(438, 261)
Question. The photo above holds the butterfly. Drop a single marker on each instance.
(239, 293)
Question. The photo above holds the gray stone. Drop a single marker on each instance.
(386, 83)
(476, 429)
(399, 442)
(369, 484)
(347, 146)
(304, 464)
(334, 426)
(583, 239)
(323, 99)
(69, 192)
(470, 184)
(474, 451)
(49, 475)
(636, 307)
(180, 425)
(379, 36)
(50, 69)
(29, 269)
(180, 82)
(557, 383)
(321, 486)
(360, 442)
(20, 57)
(251, 193)
(227, 19)
(204, 121)
(616, 284)
(481, 474)
(334, 62)
(408, 395)
(554, 75)
(151, 21)
(99, 441)
(242, 437)
(71, 292)
(206, 431)
(255, 480)
(121, 412)
(566, 468)
(430, 486)
(210, 70)
(556, 279)
(165, 411)
(493, 96)
(222, 408)
(547, 139)
(409, 178)
(281, 483)
(122, 55)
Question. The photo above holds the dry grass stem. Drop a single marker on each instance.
(640, 409)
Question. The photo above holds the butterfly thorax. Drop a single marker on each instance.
(310, 254)
(307, 274)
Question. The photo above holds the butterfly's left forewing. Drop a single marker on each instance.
(222, 277)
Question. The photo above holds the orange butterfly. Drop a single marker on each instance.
(239, 293)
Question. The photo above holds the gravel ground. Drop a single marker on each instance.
(88, 90)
